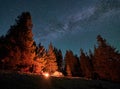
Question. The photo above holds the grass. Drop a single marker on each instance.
(33, 81)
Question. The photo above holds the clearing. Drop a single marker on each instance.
(33, 81)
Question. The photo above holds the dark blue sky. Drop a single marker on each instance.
(68, 24)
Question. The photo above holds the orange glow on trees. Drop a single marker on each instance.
(19, 44)
(51, 64)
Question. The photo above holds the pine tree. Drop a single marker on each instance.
(77, 67)
(59, 58)
(68, 70)
(72, 65)
(85, 65)
(51, 64)
(40, 59)
(106, 61)
(19, 44)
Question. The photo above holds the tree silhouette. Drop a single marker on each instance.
(85, 65)
(77, 67)
(19, 44)
(106, 61)
(72, 66)
(59, 58)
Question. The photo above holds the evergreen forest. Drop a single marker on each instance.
(20, 53)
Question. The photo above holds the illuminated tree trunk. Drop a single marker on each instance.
(68, 70)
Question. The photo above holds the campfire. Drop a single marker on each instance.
(46, 74)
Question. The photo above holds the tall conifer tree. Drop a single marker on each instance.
(19, 43)
(59, 58)
(106, 61)
(51, 64)
(85, 65)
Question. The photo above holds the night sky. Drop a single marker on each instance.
(68, 24)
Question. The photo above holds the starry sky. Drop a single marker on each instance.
(68, 24)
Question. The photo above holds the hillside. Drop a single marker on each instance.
(32, 81)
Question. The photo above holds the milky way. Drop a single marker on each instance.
(68, 24)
